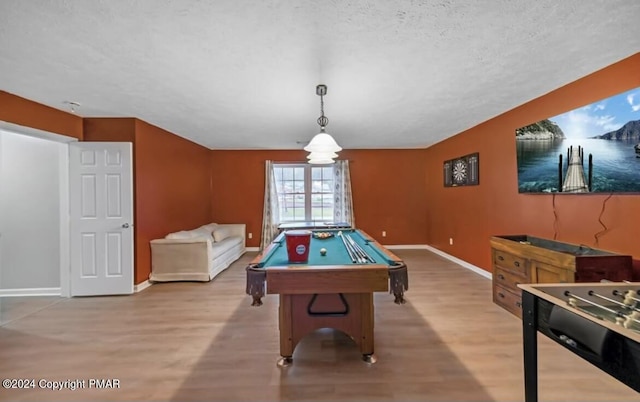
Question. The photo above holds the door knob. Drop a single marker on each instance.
(125, 225)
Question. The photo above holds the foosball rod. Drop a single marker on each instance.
(614, 312)
(619, 303)
(628, 295)
(574, 303)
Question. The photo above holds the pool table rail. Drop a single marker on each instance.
(328, 279)
(390, 256)
(395, 271)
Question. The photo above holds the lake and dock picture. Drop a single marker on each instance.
(592, 149)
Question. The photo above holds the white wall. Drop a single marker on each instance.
(29, 212)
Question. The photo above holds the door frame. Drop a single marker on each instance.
(104, 231)
(63, 160)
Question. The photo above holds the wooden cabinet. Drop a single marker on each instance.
(526, 259)
(547, 273)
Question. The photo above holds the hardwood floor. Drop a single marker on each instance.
(204, 341)
(13, 308)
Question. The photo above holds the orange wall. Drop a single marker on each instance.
(470, 215)
(115, 129)
(172, 190)
(171, 181)
(388, 190)
(21, 111)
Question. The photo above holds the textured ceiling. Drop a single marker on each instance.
(241, 74)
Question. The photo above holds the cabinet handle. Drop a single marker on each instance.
(516, 263)
(501, 295)
(501, 277)
(519, 304)
(501, 258)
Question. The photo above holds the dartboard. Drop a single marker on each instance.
(460, 171)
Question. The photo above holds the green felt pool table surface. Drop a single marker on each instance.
(336, 252)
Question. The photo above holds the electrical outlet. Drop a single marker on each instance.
(451, 241)
(384, 233)
(250, 235)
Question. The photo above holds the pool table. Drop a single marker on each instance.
(328, 291)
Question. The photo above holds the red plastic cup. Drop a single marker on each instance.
(298, 245)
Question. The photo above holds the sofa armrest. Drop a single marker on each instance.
(189, 258)
(236, 229)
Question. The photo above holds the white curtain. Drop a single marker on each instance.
(343, 201)
(271, 209)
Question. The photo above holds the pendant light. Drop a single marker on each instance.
(322, 148)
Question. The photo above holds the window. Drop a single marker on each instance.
(305, 192)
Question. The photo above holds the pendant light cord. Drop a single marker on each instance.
(323, 121)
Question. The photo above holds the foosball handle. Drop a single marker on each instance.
(630, 297)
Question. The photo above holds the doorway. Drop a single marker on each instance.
(33, 238)
(35, 247)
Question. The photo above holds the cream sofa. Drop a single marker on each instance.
(198, 254)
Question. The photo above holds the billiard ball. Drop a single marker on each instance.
(323, 251)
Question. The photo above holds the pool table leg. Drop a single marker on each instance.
(367, 341)
(371, 359)
(286, 330)
(285, 361)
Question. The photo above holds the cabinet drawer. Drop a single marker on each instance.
(616, 269)
(507, 299)
(545, 273)
(508, 279)
(510, 262)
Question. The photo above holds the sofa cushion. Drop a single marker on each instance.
(181, 235)
(209, 227)
(223, 246)
(221, 233)
(203, 231)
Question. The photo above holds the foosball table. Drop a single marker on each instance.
(599, 322)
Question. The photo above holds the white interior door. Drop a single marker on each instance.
(101, 218)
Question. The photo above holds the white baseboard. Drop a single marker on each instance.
(30, 292)
(141, 286)
(407, 247)
(252, 248)
(55, 291)
(460, 262)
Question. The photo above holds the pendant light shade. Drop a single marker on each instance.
(322, 155)
(322, 146)
(321, 158)
(323, 142)
(323, 161)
